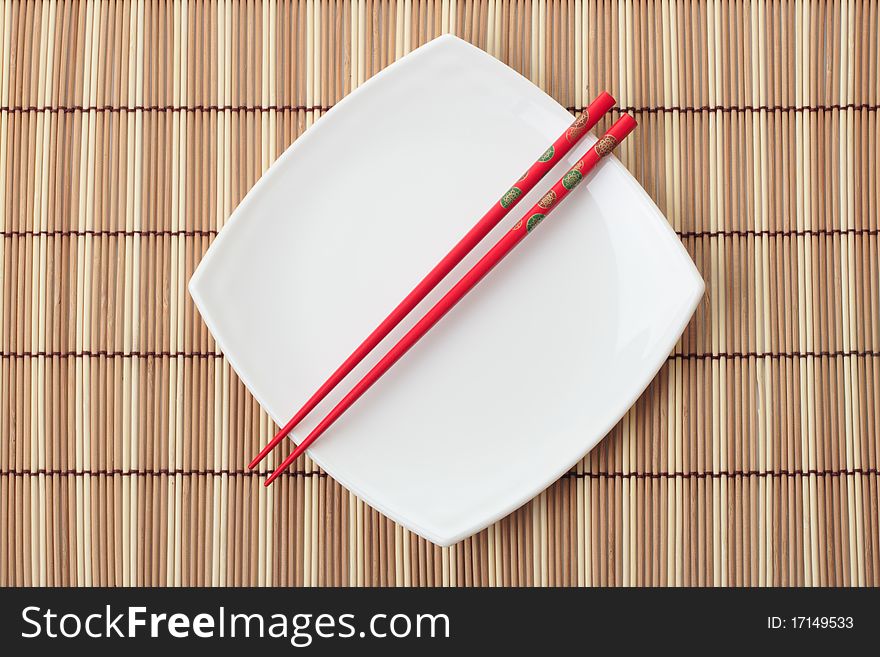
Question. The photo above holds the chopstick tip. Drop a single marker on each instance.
(622, 127)
(602, 103)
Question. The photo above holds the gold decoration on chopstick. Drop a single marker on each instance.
(548, 200)
(517, 225)
(548, 155)
(578, 127)
(534, 220)
(571, 179)
(605, 145)
(510, 196)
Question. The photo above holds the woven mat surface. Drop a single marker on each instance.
(130, 130)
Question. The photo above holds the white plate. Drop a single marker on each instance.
(526, 374)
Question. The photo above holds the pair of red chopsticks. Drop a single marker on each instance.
(559, 149)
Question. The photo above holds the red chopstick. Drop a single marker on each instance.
(617, 133)
(559, 149)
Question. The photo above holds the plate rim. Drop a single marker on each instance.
(214, 250)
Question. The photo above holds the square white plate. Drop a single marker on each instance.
(526, 374)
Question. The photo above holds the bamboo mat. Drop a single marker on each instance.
(130, 130)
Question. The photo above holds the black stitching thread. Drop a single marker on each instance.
(108, 233)
(815, 472)
(118, 472)
(656, 109)
(104, 353)
(120, 109)
(744, 108)
(721, 475)
(818, 232)
(744, 355)
(732, 355)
